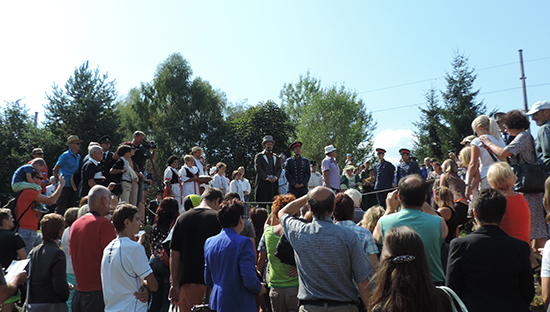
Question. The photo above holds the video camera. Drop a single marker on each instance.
(149, 145)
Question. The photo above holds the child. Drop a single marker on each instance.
(125, 268)
(22, 178)
(11, 245)
(189, 174)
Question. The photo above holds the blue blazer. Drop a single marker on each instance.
(230, 271)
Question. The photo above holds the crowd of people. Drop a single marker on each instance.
(453, 234)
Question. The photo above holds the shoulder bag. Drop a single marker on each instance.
(455, 299)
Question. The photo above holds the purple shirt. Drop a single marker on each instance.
(329, 163)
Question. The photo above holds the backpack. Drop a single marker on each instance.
(12, 206)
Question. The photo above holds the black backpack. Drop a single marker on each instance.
(12, 206)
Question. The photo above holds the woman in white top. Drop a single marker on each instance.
(236, 185)
(189, 175)
(219, 180)
(481, 157)
(172, 180)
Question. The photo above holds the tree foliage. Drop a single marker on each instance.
(429, 129)
(85, 107)
(327, 116)
(176, 111)
(20, 135)
(442, 127)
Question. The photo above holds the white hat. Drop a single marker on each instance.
(538, 106)
(329, 149)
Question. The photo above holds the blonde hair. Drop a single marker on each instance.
(466, 156)
(501, 177)
(489, 124)
(449, 165)
(219, 165)
(444, 196)
(371, 217)
(187, 158)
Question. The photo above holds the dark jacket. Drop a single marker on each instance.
(491, 271)
(48, 278)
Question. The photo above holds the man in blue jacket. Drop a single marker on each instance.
(229, 267)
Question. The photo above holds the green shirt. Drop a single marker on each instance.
(428, 227)
(278, 271)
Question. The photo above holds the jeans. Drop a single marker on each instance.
(159, 299)
(30, 238)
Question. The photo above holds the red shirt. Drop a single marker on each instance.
(90, 234)
(517, 219)
(29, 220)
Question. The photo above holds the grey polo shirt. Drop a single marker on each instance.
(329, 259)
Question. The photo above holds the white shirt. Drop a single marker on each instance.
(123, 267)
(221, 183)
(246, 185)
(65, 244)
(485, 159)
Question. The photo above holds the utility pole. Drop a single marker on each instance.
(522, 78)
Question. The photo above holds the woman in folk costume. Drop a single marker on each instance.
(189, 175)
(172, 180)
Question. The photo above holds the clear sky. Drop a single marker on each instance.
(249, 49)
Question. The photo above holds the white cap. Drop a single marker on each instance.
(329, 149)
(538, 106)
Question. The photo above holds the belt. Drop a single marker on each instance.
(329, 303)
(126, 181)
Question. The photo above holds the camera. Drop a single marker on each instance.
(149, 145)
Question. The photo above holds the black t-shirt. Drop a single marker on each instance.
(139, 156)
(89, 169)
(10, 243)
(191, 231)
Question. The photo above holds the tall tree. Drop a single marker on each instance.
(175, 110)
(85, 107)
(460, 107)
(429, 129)
(247, 132)
(19, 136)
(327, 116)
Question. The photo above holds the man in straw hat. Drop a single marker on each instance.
(67, 165)
(268, 171)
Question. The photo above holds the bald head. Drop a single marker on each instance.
(99, 199)
(321, 201)
(412, 191)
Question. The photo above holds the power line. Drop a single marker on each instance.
(425, 80)
(490, 92)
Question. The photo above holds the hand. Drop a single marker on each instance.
(293, 271)
(71, 286)
(174, 295)
(143, 294)
(19, 278)
(61, 181)
(392, 202)
(264, 289)
(484, 139)
(297, 185)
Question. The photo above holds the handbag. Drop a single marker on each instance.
(531, 177)
(42, 307)
(454, 298)
(203, 307)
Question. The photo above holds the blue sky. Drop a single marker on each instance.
(249, 49)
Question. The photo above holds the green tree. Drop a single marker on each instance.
(176, 111)
(327, 116)
(20, 135)
(429, 129)
(85, 107)
(247, 132)
(460, 107)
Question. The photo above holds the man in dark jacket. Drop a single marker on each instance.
(488, 269)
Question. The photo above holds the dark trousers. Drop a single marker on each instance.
(89, 301)
(67, 199)
(298, 192)
(382, 198)
(159, 299)
(265, 191)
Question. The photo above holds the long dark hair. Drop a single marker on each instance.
(167, 211)
(403, 280)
